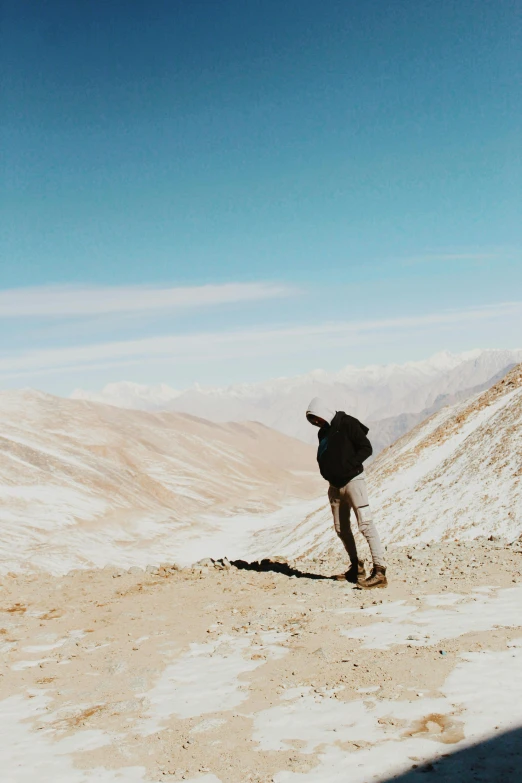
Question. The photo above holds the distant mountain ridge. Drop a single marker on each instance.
(374, 394)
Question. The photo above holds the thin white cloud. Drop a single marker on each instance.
(238, 344)
(449, 257)
(70, 301)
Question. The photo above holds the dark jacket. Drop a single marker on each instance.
(343, 447)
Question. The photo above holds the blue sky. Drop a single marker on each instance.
(215, 192)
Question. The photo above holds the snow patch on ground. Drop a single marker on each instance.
(481, 695)
(27, 755)
(411, 625)
(206, 678)
(317, 721)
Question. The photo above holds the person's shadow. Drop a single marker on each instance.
(275, 566)
(496, 760)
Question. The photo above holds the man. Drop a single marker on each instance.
(343, 447)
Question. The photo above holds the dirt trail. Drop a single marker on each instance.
(235, 674)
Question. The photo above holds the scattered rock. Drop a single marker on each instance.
(207, 562)
(169, 568)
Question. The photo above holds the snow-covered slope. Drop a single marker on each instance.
(370, 393)
(456, 475)
(82, 483)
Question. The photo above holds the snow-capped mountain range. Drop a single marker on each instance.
(373, 393)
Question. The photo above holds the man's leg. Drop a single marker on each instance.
(357, 493)
(341, 516)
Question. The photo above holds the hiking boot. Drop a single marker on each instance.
(354, 573)
(377, 578)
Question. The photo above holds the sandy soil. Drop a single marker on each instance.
(236, 674)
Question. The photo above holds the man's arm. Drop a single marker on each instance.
(363, 447)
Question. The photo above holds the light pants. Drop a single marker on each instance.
(354, 495)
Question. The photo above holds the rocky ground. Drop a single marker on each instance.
(225, 673)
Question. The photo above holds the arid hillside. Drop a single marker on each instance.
(86, 484)
(459, 474)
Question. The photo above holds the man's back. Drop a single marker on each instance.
(343, 447)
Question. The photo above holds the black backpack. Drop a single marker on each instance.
(336, 454)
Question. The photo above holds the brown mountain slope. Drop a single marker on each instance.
(81, 481)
